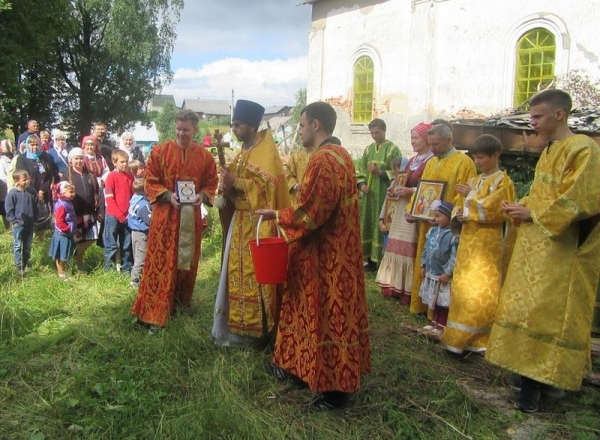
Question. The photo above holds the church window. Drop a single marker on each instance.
(362, 107)
(536, 52)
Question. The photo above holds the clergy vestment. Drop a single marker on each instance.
(246, 311)
(544, 317)
(322, 335)
(478, 272)
(371, 202)
(171, 263)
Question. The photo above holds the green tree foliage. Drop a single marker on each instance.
(4, 4)
(165, 122)
(84, 60)
(114, 55)
(28, 78)
(300, 104)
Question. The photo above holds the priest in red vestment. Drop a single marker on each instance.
(176, 227)
(323, 333)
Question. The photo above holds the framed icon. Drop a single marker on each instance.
(428, 192)
(186, 191)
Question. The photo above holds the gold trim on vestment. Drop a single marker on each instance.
(187, 236)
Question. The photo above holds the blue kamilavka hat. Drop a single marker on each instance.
(248, 112)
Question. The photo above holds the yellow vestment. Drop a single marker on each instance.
(260, 184)
(544, 317)
(478, 272)
(294, 171)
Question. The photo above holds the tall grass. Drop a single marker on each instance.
(74, 364)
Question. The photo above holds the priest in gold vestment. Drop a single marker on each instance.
(544, 317)
(452, 167)
(246, 312)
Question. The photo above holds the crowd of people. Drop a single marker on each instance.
(514, 280)
(78, 194)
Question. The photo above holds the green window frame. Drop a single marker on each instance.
(362, 103)
(536, 55)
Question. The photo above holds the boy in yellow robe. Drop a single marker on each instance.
(544, 317)
(478, 271)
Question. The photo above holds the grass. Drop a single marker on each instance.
(75, 365)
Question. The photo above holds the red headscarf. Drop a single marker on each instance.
(422, 129)
(90, 137)
(94, 165)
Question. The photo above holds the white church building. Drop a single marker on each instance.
(408, 61)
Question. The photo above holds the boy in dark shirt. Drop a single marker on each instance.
(21, 212)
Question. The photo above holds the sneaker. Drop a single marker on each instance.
(65, 277)
(118, 267)
(134, 284)
(153, 330)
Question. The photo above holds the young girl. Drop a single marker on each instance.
(65, 228)
(437, 265)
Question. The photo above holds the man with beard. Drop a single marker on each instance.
(245, 311)
(105, 144)
(323, 332)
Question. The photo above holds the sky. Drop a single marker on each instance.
(258, 48)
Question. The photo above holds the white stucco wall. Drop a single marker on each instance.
(435, 57)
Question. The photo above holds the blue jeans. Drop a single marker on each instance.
(22, 238)
(116, 236)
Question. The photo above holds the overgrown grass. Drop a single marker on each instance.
(74, 364)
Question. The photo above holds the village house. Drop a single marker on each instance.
(408, 61)
(208, 108)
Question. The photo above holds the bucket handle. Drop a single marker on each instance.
(260, 219)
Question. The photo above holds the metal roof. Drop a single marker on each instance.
(215, 107)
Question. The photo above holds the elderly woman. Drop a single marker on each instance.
(127, 144)
(94, 161)
(60, 153)
(85, 203)
(44, 175)
(395, 275)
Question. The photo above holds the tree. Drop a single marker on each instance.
(80, 61)
(300, 104)
(165, 122)
(4, 4)
(113, 56)
(28, 78)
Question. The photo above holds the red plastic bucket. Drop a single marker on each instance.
(269, 257)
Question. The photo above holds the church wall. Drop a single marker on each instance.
(435, 58)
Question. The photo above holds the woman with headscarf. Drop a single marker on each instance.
(60, 152)
(96, 164)
(127, 144)
(94, 161)
(6, 155)
(85, 203)
(43, 174)
(395, 275)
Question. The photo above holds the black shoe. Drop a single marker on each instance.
(370, 266)
(529, 396)
(285, 376)
(328, 400)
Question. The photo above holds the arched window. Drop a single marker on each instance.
(536, 52)
(362, 107)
